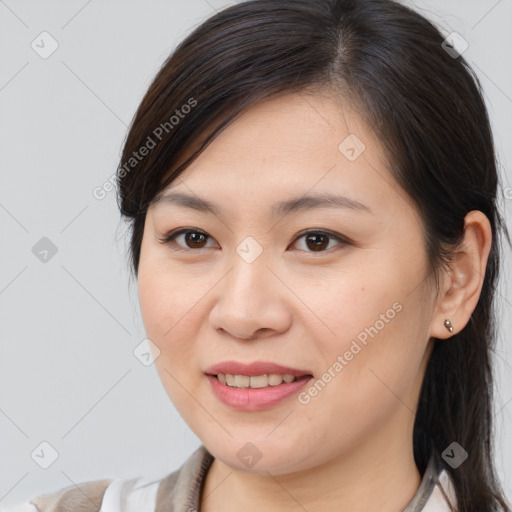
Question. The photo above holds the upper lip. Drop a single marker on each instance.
(254, 368)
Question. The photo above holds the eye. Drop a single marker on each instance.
(318, 241)
(315, 240)
(192, 238)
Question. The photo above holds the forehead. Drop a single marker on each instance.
(287, 147)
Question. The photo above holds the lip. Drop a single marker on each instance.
(254, 368)
(255, 399)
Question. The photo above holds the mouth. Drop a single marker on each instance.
(255, 386)
(257, 381)
(254, 368)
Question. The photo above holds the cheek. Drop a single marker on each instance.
(167, 309)
(156, 304)
(367, 324)
(173, 302)
(163, 298)
(345, 302)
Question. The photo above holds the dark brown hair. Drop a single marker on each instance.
(427, 108)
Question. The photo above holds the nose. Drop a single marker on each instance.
(251, 302)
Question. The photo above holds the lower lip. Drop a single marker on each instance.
(254, 399)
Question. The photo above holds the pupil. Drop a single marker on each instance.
(317, 242)
(189, 238)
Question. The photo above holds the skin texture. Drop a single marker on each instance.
(350, 447)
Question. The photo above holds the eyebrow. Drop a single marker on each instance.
(281, 208)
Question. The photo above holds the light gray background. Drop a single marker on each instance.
(68, 374)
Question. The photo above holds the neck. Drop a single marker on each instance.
(377, 475)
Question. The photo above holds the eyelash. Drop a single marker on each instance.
(170, 238)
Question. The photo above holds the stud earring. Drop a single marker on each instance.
(448, 325)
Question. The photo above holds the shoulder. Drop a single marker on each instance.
(178, 490)
(443, 496)
(436, 492)
(83, 497)
(111, 495)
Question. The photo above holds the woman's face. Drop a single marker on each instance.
(280, 275)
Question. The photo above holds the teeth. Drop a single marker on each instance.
(242, 381)
(257, 381)
(274, 380)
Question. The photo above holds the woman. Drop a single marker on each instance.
(311, 186)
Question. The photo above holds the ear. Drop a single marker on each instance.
(463, 281)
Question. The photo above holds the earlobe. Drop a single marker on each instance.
(464, 279)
